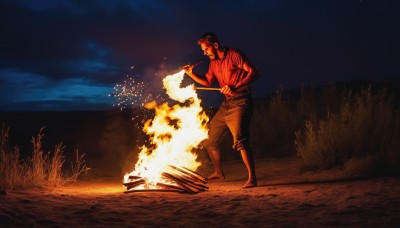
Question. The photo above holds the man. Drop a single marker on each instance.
(234, 73)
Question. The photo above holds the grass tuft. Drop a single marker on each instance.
(40, 170)
(364, 128)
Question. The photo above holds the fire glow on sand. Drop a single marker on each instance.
(169, 163)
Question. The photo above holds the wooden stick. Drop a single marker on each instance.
(180, 183)
(190, 173)
(195, 173)
(155, 190)
(170, 186)
(133, 184)
(184, 185)
(192, 183)
(189, 183)
(131, 177)
(207, 88)
(190, 179)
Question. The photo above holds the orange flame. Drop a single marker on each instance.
(174, 133)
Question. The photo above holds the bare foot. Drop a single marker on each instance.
(250, 184)
(216, 176)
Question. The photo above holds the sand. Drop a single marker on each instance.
(284, 197)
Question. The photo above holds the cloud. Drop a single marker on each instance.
(22, 87)
(47, 43)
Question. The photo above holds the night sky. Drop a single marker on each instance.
(68, 54)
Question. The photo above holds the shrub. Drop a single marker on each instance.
(366, 125)
(40, 170)
(273, 125)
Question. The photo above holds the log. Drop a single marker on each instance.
(192, 183)
(190, 173)
(132, 177)
(133, 184)
(173, 187)
(189, 180)
(198, 175)
(178, 181)
(154, 190)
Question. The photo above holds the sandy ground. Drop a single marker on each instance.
(284, 198)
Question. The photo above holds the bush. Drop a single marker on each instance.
(273, 125)
(39, 170)
(365, 125)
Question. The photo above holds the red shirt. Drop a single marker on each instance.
(228, 70)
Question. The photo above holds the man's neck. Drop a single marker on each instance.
(221, 52)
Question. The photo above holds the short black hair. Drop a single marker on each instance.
(209, 37)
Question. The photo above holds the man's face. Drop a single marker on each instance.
(209, 50)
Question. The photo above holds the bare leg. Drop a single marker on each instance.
(248, 160)
(215, 156)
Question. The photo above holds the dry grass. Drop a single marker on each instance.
(40, 170)
(358, 130)
(272, 126)
(364, 128)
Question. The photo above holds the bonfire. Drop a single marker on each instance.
(169, 163)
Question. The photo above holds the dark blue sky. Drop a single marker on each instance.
(69, 54)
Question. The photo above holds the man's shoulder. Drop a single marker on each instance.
(235, 51)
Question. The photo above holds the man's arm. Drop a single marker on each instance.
(197, 78)
(251, 76)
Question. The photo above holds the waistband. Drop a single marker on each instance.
(248, 95)
(240, 94)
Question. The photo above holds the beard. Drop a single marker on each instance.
(212, 56)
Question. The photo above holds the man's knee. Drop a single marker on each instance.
(241, 144)
(209, 144)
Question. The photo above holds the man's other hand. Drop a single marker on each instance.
(228, 90)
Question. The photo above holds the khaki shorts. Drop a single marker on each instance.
(233, 115)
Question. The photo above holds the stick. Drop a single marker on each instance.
(155, 190)
(197, 63)
(141, 180)
(205, 180)
(190, 180)
(189, 183)
(184, 185)
(133, 184)
(207, 88)
(173, 187)
(134, 177)
(190, 173)
(192, 183)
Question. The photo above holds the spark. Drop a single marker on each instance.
(132, 95)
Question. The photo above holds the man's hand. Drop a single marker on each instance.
(228, 90)
(189, 68)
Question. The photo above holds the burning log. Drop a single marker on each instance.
(189, 180)
(187, 187)
(190, 173)
(192, 184)
(171, 187)
(186, 181)
(154, 190)
(133, 184)
(131, 177)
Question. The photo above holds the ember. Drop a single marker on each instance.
(169, 164)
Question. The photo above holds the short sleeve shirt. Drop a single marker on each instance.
(229, 70)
